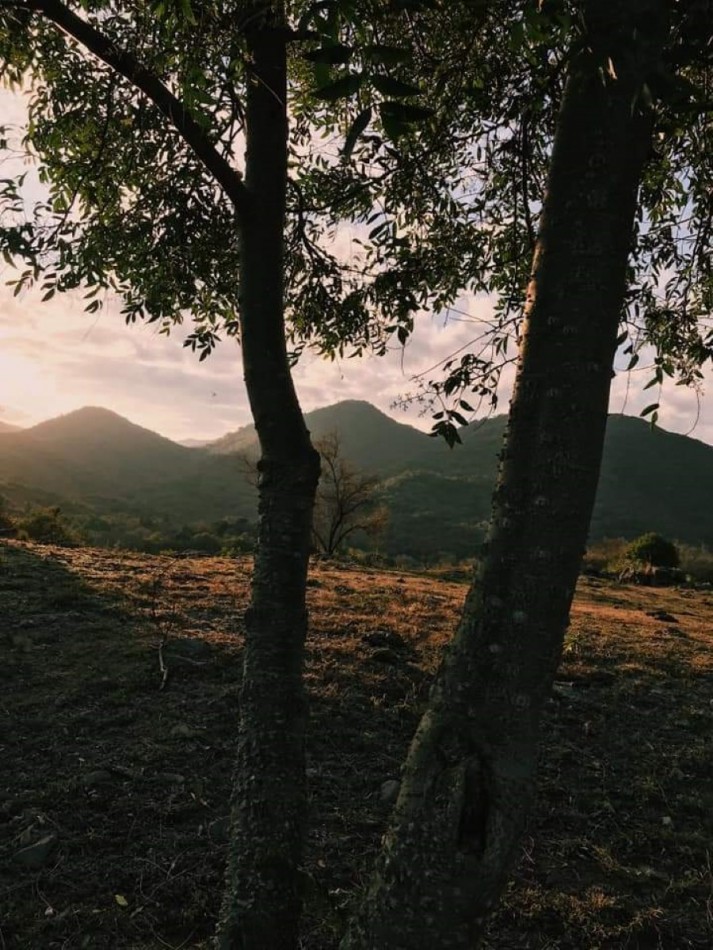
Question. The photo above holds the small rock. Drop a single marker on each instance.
(384, 638)
(97, 777)
(27, 836)
(389, 791)
(36, 855)
(667, 821)
(219, 829)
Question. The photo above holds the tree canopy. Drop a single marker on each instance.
(425, 128)
(461, 201)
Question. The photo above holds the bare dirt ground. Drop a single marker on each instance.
(114, 791)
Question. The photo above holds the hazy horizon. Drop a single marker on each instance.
(425, 421)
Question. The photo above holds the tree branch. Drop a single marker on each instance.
(151, 86)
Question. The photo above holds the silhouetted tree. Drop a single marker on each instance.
(346, 502)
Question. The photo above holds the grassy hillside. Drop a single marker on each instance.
(127, 784)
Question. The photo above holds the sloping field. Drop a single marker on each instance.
(116, 757)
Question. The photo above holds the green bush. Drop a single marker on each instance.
(606, 554)
(47, 526)
(653, 549)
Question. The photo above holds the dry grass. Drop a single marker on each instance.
(133, 780)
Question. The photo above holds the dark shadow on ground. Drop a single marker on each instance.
(131, 782)
(122, 780)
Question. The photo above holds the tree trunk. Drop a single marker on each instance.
(261, 905)
(469, 776)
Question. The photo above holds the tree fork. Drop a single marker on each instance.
(469, 776)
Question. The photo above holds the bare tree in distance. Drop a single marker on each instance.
(346, 501)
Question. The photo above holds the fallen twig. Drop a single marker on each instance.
(161, 664)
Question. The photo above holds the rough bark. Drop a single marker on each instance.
(469, 776)
(261, 904)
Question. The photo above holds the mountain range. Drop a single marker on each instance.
(96, 465)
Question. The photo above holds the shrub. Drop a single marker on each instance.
(206, 543)
(653, 549)
(604, 555)
(47, 526)
(698, 563)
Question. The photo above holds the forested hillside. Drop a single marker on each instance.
(123, 484)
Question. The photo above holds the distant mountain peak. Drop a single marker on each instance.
(86, 414)
(9, 427)
(98, 426)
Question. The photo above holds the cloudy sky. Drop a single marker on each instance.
(55, 358)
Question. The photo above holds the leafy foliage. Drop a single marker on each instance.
(459, 198)
(47, 526)
(424, 129)
(132, 208)
(652, 548)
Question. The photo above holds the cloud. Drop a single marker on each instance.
(55, 358)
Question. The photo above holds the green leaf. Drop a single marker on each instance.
(357, 127)
(387, 55)
(335, 55)
(388, 86)
(403, 112)
(649, 409)
(632, 362)
(393, 127)
(322, 74)
(341, 88)
(379, 229)
(187, 11)
(447, 431)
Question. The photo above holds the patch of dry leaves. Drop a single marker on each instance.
(133, 780)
